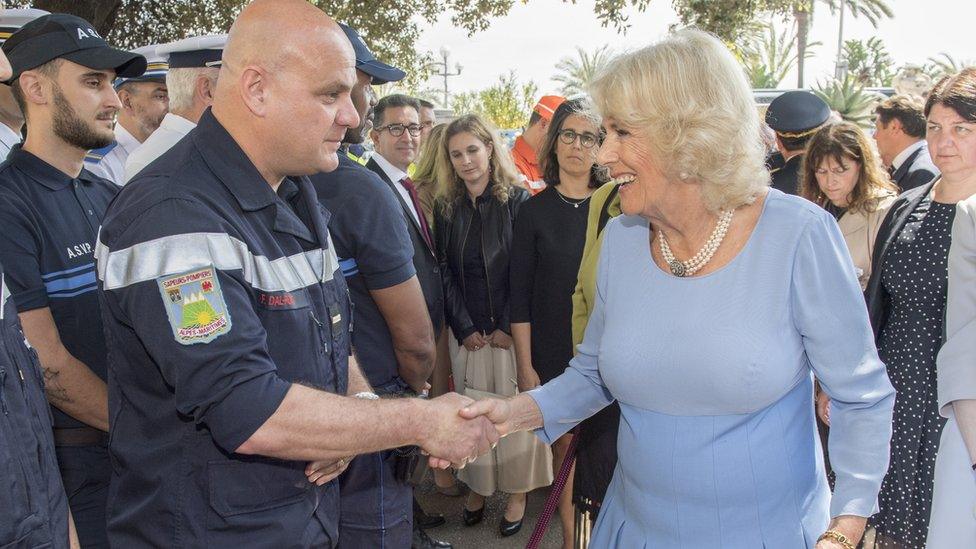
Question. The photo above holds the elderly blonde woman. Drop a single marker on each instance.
(717, 301)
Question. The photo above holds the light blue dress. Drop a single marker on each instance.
(717, 444)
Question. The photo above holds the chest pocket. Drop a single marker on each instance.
(292, 342)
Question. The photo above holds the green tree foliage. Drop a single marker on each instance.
(945, 64)
(849, 98)
(507, 103)
(767, 55)
(869, 62)
(390, 27)
(727, 19)
(576, 74)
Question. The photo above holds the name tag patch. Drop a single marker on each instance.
(282, 301)
(195, 306)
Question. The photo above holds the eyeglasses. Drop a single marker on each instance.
(396, 130)
(587, 140)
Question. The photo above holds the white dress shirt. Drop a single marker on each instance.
(169, 133)
(903, 155)
(396, 175)
(112, 165)
(8, 138)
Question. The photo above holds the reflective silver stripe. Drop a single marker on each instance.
(4, 294)
(185, 252)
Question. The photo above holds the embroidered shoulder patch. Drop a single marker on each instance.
(195, 306)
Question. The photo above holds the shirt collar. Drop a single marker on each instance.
(42, 172)
(523, 149)
(125, 139)
(229, 163)
(177, 123)
(8, 137)
(395, 174)
(901, 157)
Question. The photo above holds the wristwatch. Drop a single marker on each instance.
(366, 395)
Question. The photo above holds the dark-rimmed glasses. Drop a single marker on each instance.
(396, 130)
(586, 139)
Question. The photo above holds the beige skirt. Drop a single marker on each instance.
(521, 462)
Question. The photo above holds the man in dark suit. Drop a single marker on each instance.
(396, 138)
(900, 133)
(795, 116)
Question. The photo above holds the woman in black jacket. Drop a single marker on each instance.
(479, 198)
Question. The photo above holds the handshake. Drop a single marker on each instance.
(459, 429)
(452, 430)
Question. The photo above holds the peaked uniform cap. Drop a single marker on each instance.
(195, 51)
(156, 66)
(796, 113)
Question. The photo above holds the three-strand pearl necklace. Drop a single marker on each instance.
(693, 265)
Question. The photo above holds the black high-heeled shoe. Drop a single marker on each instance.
(473, 517)
(506, 528)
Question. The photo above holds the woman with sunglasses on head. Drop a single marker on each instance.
(548, 245)
(478, 202)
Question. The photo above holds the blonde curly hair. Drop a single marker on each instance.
(690, 98)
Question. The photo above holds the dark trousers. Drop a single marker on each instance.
(85, 472)
(375, 507)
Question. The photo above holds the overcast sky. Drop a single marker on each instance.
(533, 37)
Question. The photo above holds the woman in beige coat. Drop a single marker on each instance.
(842, 173)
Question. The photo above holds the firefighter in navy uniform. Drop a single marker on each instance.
(34, 507)
(233, 405)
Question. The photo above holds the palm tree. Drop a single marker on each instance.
(576, 74)
(802, 12)
(944, 64)
(767, 55)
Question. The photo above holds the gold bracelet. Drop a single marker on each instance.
(834, 535)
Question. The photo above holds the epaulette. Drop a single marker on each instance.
(95, 156)
(357, 159)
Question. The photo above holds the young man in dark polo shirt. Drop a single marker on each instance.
(51, 210)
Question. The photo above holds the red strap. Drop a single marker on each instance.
(421, 218)
(553, 500)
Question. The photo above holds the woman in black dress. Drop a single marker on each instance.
(907, 301)
(548, 244)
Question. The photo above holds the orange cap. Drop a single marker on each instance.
(547, 105)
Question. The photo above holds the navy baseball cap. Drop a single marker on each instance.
(64, 36)
(366, 61)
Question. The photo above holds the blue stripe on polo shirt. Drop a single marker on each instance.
(71, 283)
(56, 274)
(62, 295)
(348, 266)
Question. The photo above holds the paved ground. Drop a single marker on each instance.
(485, 534)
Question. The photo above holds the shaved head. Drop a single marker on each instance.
(284, 88)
